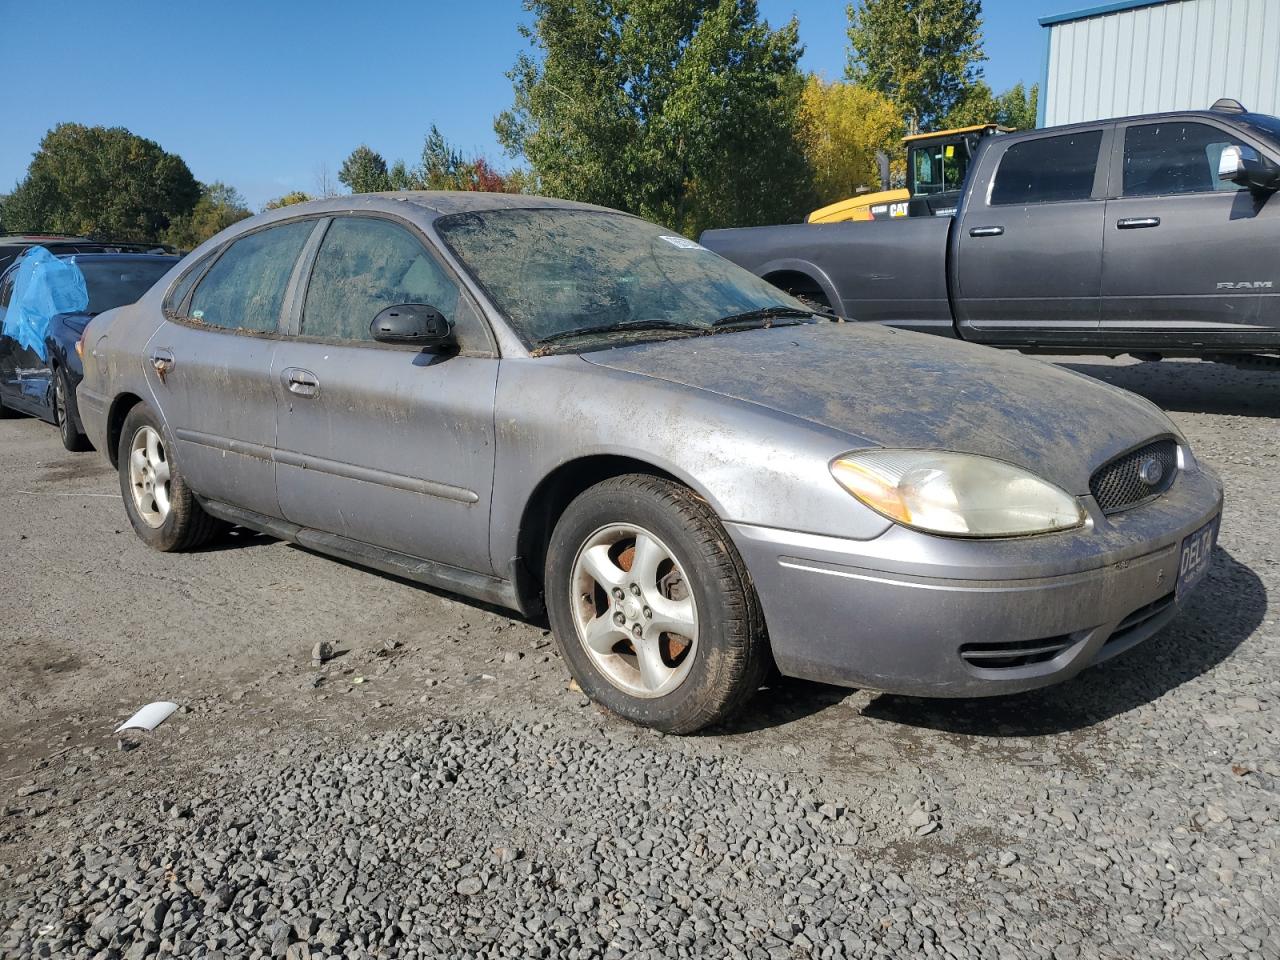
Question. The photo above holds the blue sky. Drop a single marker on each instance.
(261, 95)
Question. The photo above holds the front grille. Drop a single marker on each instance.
(1120, 484)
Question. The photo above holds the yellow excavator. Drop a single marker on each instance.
(937, 163)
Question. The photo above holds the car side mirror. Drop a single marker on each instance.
(1248, 168)
(414, 324)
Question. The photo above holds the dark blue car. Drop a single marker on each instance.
(39, 370)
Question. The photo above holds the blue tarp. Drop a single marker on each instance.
(44, 287)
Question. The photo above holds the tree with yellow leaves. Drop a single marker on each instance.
(842, 126)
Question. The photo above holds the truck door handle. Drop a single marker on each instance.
(162, 363)
(1137, 223)
(987, 232)
(304, 383)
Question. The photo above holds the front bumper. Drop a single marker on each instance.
(935, 616)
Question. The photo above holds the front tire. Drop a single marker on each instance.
(652, 607)
(72, 438)
(163, 510)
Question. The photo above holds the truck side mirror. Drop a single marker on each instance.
(1248, 168)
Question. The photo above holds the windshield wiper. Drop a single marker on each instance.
(619, 327)
(763, 313)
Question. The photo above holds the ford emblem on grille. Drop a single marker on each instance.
(1151, 471)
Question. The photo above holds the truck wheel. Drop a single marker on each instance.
(652, 607)
(161, 506)
(72, 438)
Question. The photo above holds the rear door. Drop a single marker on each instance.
(1187, 256)
(209, 365)
(388, 445)
(1028, 254)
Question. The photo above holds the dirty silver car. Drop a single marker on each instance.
(544, 404)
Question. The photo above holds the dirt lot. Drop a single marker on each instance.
(439, 790)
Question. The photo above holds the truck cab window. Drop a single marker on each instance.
(1048, 169)
(1174, 157)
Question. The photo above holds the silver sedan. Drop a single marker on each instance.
(558, 407)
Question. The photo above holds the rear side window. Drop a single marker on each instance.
(245, 289)
(1048, 170)
(1174, 157)
(365, 265)
(179, 293)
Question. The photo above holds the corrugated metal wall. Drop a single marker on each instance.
(1181, 55)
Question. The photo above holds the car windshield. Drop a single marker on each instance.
(114, 283)
(605, 275)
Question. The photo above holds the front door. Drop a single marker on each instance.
(386, 445)
(210, 371)
(1028, 261)
(25, 378)
(1187, 257)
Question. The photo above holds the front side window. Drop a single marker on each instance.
(554, 272)
(1048, 169)
(1174, 157)
(245, 289)
(365, 265)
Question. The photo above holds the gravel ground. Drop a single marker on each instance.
(439, 789)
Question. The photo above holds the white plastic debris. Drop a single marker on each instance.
(149, 717)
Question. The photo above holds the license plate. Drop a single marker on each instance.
(1197, 554)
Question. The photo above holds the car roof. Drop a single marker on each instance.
(433, 203)
(35, 238)
(1221, 115)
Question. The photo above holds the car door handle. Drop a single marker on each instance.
(304, 383)
(987, 232)
(162, 363)
(1137, 223)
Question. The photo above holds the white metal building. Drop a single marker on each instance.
(1145, 56)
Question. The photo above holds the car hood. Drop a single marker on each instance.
(887, 387)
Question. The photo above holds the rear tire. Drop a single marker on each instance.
(72, 438)
(163, 510)
(634, 555)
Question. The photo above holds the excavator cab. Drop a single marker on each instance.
(937, 164)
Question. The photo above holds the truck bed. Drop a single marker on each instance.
(889, 271)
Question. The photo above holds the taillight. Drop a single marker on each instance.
(80, 344)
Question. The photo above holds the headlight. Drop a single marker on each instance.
(956, 493)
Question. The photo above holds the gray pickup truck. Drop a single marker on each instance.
(1155, 236)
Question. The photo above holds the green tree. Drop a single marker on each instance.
(924, 55)
(219, 207)
(684, 112)
(288, 200)
(364, 171)
(101, 182)
(1016, 107)
(842, 128)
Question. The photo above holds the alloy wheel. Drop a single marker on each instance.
(634, 610)
(149, 476)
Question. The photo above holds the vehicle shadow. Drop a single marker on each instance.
(1193, 386)
(1224, 612)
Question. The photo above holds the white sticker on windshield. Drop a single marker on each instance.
(682, 243)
